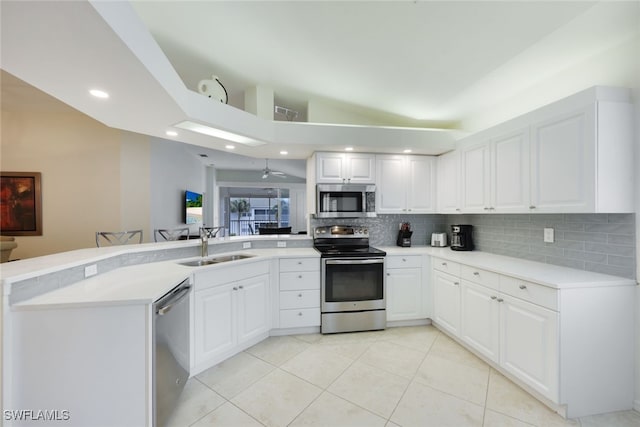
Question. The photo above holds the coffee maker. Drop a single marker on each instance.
(461, 237)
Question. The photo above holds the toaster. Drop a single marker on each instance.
(439, 239)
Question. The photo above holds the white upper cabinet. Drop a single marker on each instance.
(495, 174)
(575, 155)
(345, 168)
(405, 184)
(448, 182)
(563, 163)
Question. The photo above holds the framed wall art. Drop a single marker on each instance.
(20, 204)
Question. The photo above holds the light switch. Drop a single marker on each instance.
(548, 235)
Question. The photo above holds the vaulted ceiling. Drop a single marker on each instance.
(413, 64)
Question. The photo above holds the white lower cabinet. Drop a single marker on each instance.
(228, 317)
(404, 288)
(529, 344)
(480, 322)
(446, 302)
(299, 296)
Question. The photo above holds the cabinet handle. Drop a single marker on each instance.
(241, 287)
(532, 207)
(404, 260)
(493, 297)
(475, 273)
(300, 314)
(299, 262)
(523, 286)
(457, 209)
(409, 209)
(456, 283)
(235, 289)
(300, 276)
(388, 274)
(486, 208)
(299, 295)
(500, 300)
(444, 263)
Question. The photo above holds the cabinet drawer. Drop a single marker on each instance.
(531, 292)
(300, 264)
(300, 318)
(398, 261)
(299, 299)
(299, 280)
(480, 276)
(446, 266)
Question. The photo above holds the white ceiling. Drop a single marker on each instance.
(409, 59)
(396, 63)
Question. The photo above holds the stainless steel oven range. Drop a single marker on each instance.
(353, 280)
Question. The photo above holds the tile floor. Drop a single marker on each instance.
(413, 376)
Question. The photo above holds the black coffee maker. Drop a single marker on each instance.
(461, 239)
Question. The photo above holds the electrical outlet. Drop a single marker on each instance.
(246, 245)
(548, 235)
(282, 244)
(91, 270)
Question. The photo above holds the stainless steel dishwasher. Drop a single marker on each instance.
(170, 350)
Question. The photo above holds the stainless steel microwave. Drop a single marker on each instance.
(345, 201)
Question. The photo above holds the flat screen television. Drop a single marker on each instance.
(192, 207)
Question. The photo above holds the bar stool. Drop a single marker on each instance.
(116, 238)
(170, 234)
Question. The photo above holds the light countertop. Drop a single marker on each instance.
(545, 274)
(144, 283)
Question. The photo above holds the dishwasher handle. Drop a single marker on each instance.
(178, 296)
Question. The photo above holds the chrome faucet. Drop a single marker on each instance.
(204, 243)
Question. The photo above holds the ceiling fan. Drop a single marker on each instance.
(266, 172)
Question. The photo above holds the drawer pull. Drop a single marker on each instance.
(241, 287)
(532, 207)
(299, 262)
(444, 263)
(523, 286)
(235, 289)
(493, 297)
(500, 300)
(300, 276)
(456, 283)
(300, 314)
(404, 260)
(475, 273)
(388, 274)
(299, 295)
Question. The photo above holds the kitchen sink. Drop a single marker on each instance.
(216, 260)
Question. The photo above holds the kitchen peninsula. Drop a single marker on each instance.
(554, 324)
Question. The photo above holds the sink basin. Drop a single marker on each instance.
(216, 260)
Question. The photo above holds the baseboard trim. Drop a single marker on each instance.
(636, 405)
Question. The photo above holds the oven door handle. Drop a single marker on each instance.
(355, 261)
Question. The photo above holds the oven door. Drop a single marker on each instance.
(353, 284)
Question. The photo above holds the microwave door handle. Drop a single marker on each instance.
(355, 261)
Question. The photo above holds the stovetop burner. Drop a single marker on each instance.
(344, 241)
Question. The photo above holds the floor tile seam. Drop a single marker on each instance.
(316, 385)
(246, 413)
(495, 371)
(452, 395)
(306, 407)
(214, 409)
(512, 418)
(358, 405)
(389, 372)
(252, 382)
(400, 400)
(283, 362)
(261, 359)
(486, 396)
(408, 347)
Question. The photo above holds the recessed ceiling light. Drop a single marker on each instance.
(284, 153)
(172, 133)
(230, 147)
(408, 150)
(348, 149)
(99, 93)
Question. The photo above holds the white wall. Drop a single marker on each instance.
(83, 173)
(172, 171)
